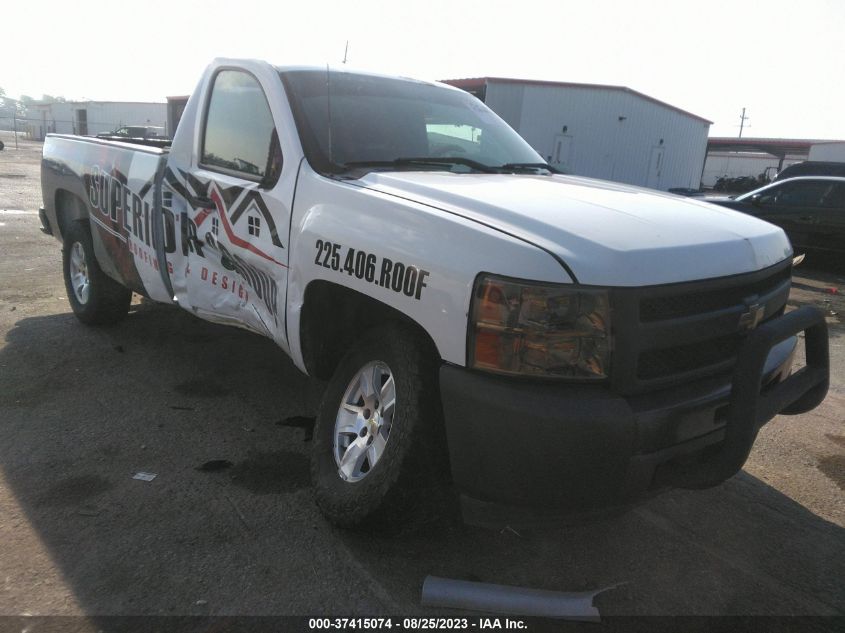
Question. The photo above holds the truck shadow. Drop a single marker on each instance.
(82, 411)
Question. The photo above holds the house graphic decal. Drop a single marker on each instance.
(258, 218)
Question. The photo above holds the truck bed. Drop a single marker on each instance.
(163, 143)
(114, 186)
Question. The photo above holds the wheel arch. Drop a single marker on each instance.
(332, 315)
(69, 208)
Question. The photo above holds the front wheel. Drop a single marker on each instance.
(378, 435)
(95, 298)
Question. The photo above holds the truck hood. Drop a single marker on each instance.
(606, 233)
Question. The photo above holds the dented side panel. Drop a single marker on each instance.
(116, 184)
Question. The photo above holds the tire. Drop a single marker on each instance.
(95, 298)
(405, 447)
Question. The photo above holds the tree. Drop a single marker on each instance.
(23, 103)
(7, 106)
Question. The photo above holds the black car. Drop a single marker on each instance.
(811, 168)
(135, 131)
(810, 209)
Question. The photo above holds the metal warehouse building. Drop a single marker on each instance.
(608, 132)
(92, 117)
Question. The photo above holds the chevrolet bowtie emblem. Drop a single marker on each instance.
(751, 318)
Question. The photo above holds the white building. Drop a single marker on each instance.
(609, 132)
(92, 117)
(833, 151)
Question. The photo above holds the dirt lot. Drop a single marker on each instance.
(82, 410)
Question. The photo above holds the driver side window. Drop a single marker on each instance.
(836, 198)
(810, 193)
(239, 136)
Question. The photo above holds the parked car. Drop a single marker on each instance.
(135, 131)
(738, 184)
(811, 209)
(687, 192)
(557, 341)
(811, 168)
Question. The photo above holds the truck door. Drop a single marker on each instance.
(830, 230)
(233, 206)
(794, 206)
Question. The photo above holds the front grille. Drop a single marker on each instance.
(688, 303)
(668, 335)
(658, 363)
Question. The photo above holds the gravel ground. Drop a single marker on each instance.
(82, 410)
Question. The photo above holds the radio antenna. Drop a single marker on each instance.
(329, 110)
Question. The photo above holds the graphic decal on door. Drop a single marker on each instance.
(122, 210)
(254, 205)
(244, 218)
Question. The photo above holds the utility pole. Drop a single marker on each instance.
(742, 120)
(345, 51)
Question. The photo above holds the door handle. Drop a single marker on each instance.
(199, 202)
(202, 202)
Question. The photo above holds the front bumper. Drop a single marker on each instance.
(581, 446)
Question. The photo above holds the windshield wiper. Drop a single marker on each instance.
(435, 161)
(521, 166)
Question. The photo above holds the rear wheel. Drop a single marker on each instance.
(95, 298)
(377, 439)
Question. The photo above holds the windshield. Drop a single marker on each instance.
(384, 122)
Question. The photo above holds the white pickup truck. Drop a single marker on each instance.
(580, 341)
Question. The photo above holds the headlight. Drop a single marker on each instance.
(539, 329)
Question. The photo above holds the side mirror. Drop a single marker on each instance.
(756, 199)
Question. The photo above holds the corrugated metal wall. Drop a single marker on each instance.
(101, 116)
(828, 151)
(613, 134)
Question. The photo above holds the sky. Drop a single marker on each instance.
(784, 61)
